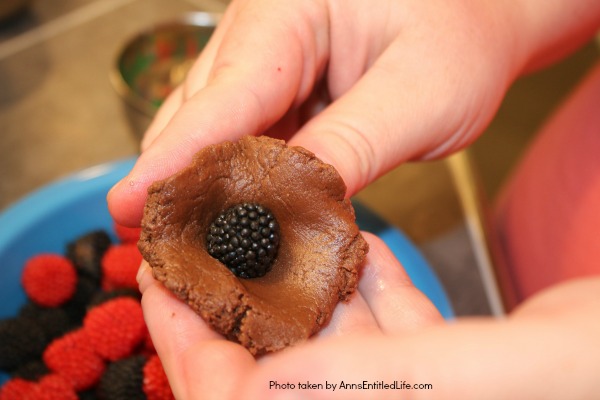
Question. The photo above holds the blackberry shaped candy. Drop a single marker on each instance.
(103, 296)
(86, 253)
(245, 238)
(31, 371)
(21, 341)
(76, 308)
(54, 322)
(123, 380)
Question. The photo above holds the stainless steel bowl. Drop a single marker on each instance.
(155, 61)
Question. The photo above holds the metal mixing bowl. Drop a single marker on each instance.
(154, 62)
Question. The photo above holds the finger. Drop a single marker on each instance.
(268, 60)
(169, 107)
(198, 75)
(534, 354)
(350, 318)
(195, 80)
(386, 299)
(470, 360)
(212, 369)
(397, 305)
(427, 94)
(196, 359)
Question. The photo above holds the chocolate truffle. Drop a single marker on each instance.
(320, 248)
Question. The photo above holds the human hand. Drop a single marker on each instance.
(389, 331)
(407, 80)
(546, 349)
(200, 363)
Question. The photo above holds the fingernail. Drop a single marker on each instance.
(141, 272)
(144, 276)
(113, 188)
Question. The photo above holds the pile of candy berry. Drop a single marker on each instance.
(81, 334)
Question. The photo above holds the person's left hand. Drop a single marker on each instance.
(389, 331)
(200, 363)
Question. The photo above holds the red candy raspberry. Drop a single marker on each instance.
(17, 389)
(127, 234)
(50, 387)
(115, 328)
(120, 264)
(72, 357)
(156, 386)
(54, 387)
(148, 345)
(49, 279)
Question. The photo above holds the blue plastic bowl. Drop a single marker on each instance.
(49, 218)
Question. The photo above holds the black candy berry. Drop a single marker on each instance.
(54, 322)
(76, 308)
(103, 296)
(123, 380)
(245, 238)
(21, 341)
(31, 371)
(86, 253)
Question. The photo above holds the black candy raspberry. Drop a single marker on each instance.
(123, 380)
(102, 296)
(76, 308)
(31, 371)
(245, 238)
(21, 341)
(54, 322)
(86, 253)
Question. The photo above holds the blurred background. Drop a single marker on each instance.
(62, 110)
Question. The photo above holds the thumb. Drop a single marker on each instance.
(411, 104)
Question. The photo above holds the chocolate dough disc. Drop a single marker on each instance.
(320, 250)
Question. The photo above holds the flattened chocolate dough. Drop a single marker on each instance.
(320, 252)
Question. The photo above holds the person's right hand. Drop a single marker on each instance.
(393, 81)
